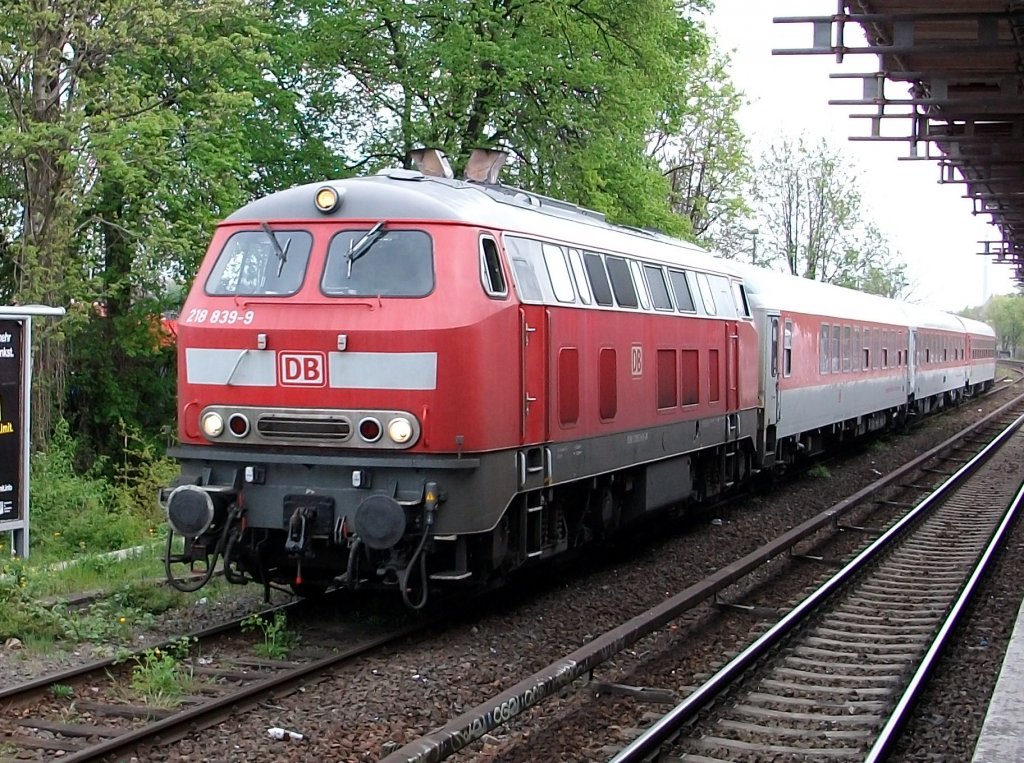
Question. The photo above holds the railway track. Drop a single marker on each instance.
(833, 680)
(877, 506)
(91, 713)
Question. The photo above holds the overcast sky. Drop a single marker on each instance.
(929, 224)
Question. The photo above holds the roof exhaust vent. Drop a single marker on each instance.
(432, 162)
(485, 165)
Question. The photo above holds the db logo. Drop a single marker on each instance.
(304, 369)
(636, 360)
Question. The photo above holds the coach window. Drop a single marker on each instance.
(836, 342)
(641, 287)
(622, 282)
(554, 258)
(598, 278)
(866, 357)
(397, 263)
(491, 274)
(855, 350)
(823, 345)
(681, 291)
(706, 295)
(580, 276)
(787, 349)
(847, 340)
(256, 262)
(659, 289)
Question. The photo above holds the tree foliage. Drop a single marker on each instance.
(810, 220)
(128, 128)
(1005, 313)
(704, 155)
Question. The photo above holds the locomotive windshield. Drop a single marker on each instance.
(254, 263)
(395, 263)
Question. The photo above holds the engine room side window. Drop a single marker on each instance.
(491, 274)
(722, 294)
(705, 294)
(598, 278)
(641, 287)
(622, 281)
(528, 267)
(558, 270)
(256, 263)
(740, 293)
(398, 263)
(580, 276)
(681, 290)
(659, 289)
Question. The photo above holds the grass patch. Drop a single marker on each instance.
(819, 471)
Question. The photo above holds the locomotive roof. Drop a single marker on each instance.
(400, 194)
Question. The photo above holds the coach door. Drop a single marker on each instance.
(773, 370)
(533, 321)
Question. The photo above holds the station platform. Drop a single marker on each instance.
(1002, 735)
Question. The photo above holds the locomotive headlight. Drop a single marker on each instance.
(400, 430)
(212, 424)
(326, 199)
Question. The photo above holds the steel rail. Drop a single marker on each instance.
(13, 694)
(890, 732)
(666, 727)
(208, 712)
(498, 710)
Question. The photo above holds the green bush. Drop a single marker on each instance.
(75, 512)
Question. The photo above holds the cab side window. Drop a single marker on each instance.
(491, 274)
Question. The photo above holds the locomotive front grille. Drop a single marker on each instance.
(291, 427)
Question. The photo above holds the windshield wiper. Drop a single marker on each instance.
(282, 253)
(362, 246)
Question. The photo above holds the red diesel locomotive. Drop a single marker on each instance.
(408, 381)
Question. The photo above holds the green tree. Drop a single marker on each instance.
(1005, 313)
(810, 220)
(572, 90)
(125, 123)
(705, 158)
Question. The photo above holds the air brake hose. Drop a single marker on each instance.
(418, 555)
(211, 565)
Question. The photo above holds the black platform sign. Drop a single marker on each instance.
(11, 335)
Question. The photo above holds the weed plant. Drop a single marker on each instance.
(161, 677)
(278, 639)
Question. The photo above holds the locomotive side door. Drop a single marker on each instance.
(533, 324)
(732, 366)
